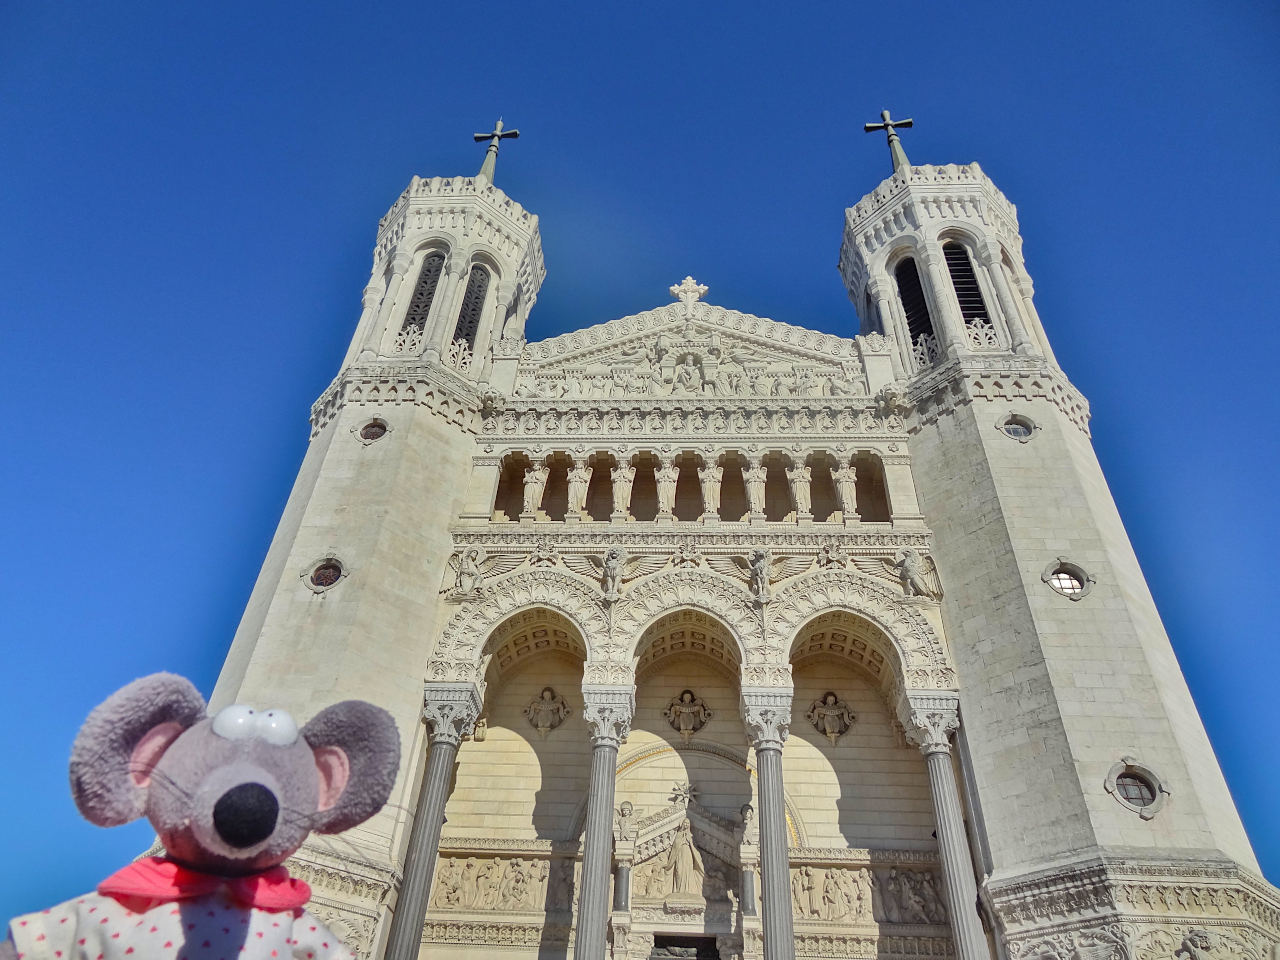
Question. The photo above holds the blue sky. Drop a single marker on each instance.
(190, 194)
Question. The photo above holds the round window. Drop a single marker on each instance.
(373, 430)
(1068, 579)
(1135, 789)
(1066, 582)
(1018, 427)
(327, 573)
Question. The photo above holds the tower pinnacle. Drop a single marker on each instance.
(491, 154)
(900, 162)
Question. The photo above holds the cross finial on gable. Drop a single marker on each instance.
(890, 126)
(495, 137)
(688, 291)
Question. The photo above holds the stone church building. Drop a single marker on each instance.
(712, 636)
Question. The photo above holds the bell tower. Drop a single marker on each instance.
(1085, 761)
(456, 269)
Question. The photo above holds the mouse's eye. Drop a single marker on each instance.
(277, 728)
(236, 722)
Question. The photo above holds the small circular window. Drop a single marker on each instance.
(1136, 787)
(373, 430)
(1136, 790)
(322, 574)
(1017, 427)
(1068, 579)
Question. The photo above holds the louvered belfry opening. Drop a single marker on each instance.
(914, 304)
(972, 307)
(472, 305)
(424, 293)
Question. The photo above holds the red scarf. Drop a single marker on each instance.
(163, 881)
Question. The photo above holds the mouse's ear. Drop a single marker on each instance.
(122, 741)
(356, 780)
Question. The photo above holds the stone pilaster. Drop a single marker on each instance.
(399, 267)
(449, 711)
(767, 716)
(930, 723)
(607, 710)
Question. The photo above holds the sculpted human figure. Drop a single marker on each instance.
(833, 904)
(866, 894)
(830, 716)
(688, 379)
(913, 571)
(1196, 945)
(623, 475)
(666, 477)
(891, 897)
(546, 711)
(755, 477)
(579, 479)
(801, 492)
(913, 903)
(797, 892)
(469, 578)
(626, 820)
(846, 479)
(933, 902)
(687, 714)
(710, 477)
(684, 864)
(449, 884)
(489, 883)
(535, 482)
(759, 570)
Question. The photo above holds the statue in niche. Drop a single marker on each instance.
(579, 479)
(666, 477)
(627, 821)
(710, 477)
(918, 574)
(755, 477)
(546, 711)
(830, 716)
(624, 475)
(687, 714)
(535, 482)
(846, 479)
(801, 492)
(684, 868)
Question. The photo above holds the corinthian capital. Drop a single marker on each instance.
(930, 721)
(608, 710)
(766, 713)
(450, 710)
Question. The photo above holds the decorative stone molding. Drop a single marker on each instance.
(396, 383)
(929, 721)
(717, 595)
(959, 381)
(766, 714)
(637, 537)
(608, 711)
(450, 710)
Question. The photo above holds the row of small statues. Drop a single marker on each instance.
(710, 479)
(690, 379)
(900, 896)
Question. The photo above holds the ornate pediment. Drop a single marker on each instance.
(694, 349)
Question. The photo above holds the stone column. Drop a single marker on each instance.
(1027, 291)
(949, 324)
(990, 260)
(931, 722)
(399, 267)
(767, 716)
(882, 293)
(362, 344)
(504, 295)
(607, 710)
(453, 280)
(449, 711)
(901, 487)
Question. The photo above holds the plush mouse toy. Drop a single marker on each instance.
(231, 797)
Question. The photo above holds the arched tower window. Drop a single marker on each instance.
(924, 342)
(977, 321)
(472, 305)
(415, 321)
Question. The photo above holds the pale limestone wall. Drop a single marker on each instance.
(869, 790)
(384, 509)
(515, 783)
(1054, 692)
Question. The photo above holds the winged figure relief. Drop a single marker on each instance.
(760, 569)
(614, 568)
(472, 565)
(917, 575)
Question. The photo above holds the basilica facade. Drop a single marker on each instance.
(712, 636)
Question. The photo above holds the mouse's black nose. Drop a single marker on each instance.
(246, 814)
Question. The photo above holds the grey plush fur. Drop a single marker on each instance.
(199, 768)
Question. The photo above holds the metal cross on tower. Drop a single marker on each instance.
(900, 162)
(491, 155)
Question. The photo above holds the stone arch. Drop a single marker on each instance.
(722, 598)
(460, 652)
(913, 652)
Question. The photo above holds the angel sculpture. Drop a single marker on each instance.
(830, 716)
(613, 569)
(687, 714)
(760, 569)
(546, 711)
(471, 566)
(916, 574)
